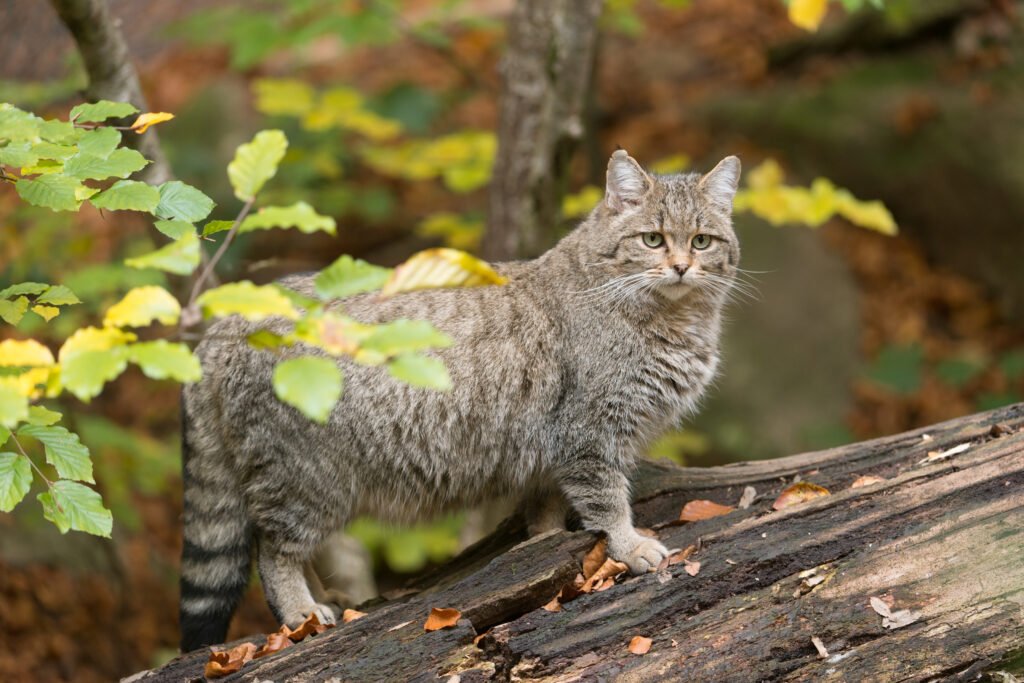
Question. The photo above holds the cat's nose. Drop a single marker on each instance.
(681, 268)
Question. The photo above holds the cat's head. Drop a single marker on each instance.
(668, 235)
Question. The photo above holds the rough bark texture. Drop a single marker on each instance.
(942, 536)
(112, 75)
(546, 74)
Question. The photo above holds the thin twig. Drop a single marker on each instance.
(34, 466)
(197, 288)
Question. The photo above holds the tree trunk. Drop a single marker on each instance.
(942, 535)
(546, 74)
(111, 73)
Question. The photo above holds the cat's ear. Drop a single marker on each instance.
(720, 184)
(627, 182)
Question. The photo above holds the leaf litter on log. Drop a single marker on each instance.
(441, 617)
(800, 492)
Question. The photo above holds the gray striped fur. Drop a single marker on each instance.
(561, 379)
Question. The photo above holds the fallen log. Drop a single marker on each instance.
(915, 576)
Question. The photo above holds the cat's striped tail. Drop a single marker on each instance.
(217, 551)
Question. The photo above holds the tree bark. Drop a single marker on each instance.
(546, 74)
(112, 75)
(941, 536)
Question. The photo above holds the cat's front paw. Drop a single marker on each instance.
(323, 612)
(641, 554)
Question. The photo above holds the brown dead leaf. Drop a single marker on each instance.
(678, 557)
(640, 645)
(275, 643)
(609, 570)
(595, 558)
(866, 480)
(605, 585)
(350, 615)
(797, 493)
(553, 606)
(691, 568)
(309, 627)
(441, 617)
(696, 510)
(224, 662)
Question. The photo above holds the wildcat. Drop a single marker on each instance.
(560, 378)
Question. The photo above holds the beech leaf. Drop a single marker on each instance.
(441, 617)
(800, 492)
(640, 645)
(696, 510)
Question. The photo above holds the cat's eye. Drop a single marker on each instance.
(701, 241)
(654, 239)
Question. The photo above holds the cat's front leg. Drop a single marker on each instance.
(600, 495)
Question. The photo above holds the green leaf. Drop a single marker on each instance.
(142, 306)
(128, 195)
(38, 415)
(420, 371)
(100, 142)
(53, 151)
(402, 336)
(898, 368)
(17, 125)
(311, 384)
(63, 450)
(162, 359)
(180, 257)
(101, 111)
(1012, 364)
(183, 202)
(13, 406)
(262, 339)
(299, 215)
(85, 373)
(213, 227)
(957, 372)
(5, 434)
(70, 505)
(246, 299)
(52, 191)
(58, 295)
(15, 480)
(256, 162)
(18, 155)
(174, 229)
(348, 276)
(59, 131)
(13, 311)
(120, 164)
(32, 288)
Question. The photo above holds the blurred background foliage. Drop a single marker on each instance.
(390, 109)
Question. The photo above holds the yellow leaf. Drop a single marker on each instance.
(671, 164)
(148, 119)
(872, 215)
(141, 306)
(433, 268)
(94, 339)
(247, 300)
(22, 353)
(457, 231)
(579, 204)
(47, 313)
(807, 14)
(767, 174)
(28, 383)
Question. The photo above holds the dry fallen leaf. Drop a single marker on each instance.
(441, 617)
(678, 557)
(275, 643)
(692, 568)
(819, 646)
(605, 585)
(609, 570)
(797, 493)
(226, 662)
(307, 628)
(593, 560)
(866, 480)
(640, 645)
(351, 615)
(553, 606)
(880, 607)
(748, 497)
(696, 510)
